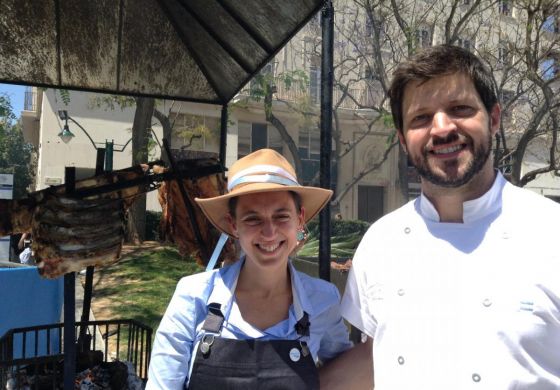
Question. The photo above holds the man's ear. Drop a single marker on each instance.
(402, 140)
(495, 115)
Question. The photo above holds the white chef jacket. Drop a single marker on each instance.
(473, 305)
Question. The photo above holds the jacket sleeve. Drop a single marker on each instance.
(335, 338)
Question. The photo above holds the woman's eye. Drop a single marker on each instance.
(251, 221)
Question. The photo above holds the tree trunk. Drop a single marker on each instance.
(167, 132)
(288, 140)
(136, 225)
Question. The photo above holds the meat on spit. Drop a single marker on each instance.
(86, 227)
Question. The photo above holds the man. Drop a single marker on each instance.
(459, 288)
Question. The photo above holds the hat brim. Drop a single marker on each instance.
(313, 199)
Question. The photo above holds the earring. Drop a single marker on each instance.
(301, 234)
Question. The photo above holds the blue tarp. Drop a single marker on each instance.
(28, 300)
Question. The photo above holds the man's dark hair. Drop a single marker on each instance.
(232, 203)
(436, 61)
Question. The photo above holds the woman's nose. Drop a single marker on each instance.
(268, 228)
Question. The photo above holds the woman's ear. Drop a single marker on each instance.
(231, 222)
(301, 216)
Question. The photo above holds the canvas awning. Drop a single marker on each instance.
(196, 50)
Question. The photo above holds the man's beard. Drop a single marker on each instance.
(480, 157)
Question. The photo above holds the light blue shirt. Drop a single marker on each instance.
(180, 330)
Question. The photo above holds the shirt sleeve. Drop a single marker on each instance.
(173, 343)
(335, 339)
(355, 305)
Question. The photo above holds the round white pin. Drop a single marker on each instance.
(295, 354)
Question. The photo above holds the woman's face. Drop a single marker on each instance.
(266, 225)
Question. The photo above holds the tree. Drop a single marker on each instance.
(16, 155)
(518, 40)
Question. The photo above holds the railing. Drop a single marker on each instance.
(30, 102)
(38, 351)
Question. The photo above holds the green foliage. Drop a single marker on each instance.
(152, 225)
(111, 102)
(340, 227)
(64, 96)
(194, 128)
(345, 237)
(15, 153)
(264, 83)
(141, 285)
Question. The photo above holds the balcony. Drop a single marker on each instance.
(30, 102)
(360, 97)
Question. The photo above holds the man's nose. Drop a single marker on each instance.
(442, 124)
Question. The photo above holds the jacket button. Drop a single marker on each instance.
(407, 230)
(400, 360)
(487, 302)
(476, 377)
(400, 292)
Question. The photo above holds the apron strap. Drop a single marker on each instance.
(302, 326)
(214, 320)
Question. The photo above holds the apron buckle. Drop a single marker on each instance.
(207, 341)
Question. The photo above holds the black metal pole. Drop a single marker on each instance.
(88, 286)
(69, 305)
(223, 135)
(327, 27)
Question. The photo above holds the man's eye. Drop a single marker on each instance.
(462, 110)
(283, 217)
(419, 120)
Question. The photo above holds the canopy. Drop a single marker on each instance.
(195, 50)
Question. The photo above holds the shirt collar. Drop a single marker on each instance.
(224, 291)
(473, 210)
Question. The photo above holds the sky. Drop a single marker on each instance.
(16, 94)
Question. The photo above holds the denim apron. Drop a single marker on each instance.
(229, 364)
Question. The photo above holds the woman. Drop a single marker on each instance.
(259, 323)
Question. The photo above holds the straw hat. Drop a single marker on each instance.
(262, 171)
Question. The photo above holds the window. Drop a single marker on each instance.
(266, 73)
(552, 24)
(254, 136)
(369, 27)
(549, 68)
(422, 37)
(196, 132)
(506, 96)
(309, 147)
(370, 203)
(504, 7)
(465, 43)
(314, 83)
(504, 56)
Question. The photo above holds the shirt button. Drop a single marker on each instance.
(400, 360)
(400, 292)
(487, 302)
(407, 230)
(476, 377)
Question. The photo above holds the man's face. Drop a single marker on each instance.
(447, 131)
